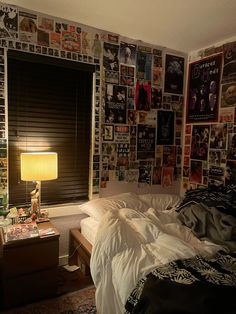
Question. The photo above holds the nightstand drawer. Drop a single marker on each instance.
(30, 287)
(24, 259)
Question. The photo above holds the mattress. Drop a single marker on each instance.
(89, 227)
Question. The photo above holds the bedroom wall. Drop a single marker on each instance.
(138, 100)
(138, 105)
(209, 152)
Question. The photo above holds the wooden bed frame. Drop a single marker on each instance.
(79, 251)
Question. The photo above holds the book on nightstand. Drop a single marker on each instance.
(46, 232)
(21, 231)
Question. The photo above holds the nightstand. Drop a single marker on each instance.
(28, 268)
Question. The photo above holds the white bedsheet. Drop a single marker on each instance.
(129, 244)
(89, 227)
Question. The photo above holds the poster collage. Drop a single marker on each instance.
(139, 102)
(210, 130)
(138, 110)
(141, 115)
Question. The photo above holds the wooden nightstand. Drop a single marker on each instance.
(28, 268)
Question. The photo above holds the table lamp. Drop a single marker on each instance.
(38, 166)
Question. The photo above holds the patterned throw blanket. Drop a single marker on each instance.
(197, 285)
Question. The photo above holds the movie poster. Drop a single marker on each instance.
(127, 53)
(143, 65)
(229, 68)
(110, 57)
(230, 172)
(9, 21)
(156, 175)
(115, 105)
(157, 68)
(165, 127)
(145, 168)
(200, 142)
(218, 136)
(167, 176)
(203, 90)
(146, 141)
(143, 95)
(28, 27)
(196, 171)
(174, 74)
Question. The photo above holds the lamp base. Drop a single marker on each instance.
(35, 201)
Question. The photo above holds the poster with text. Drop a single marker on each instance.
(203, 90)
(146, 141)
(115, 105)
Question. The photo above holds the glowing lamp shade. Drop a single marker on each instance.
(38, 166)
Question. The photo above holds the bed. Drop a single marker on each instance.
(155, 253)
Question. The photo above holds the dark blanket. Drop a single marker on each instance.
(209, 223)
(194, 286)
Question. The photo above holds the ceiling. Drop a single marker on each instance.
(183, 25)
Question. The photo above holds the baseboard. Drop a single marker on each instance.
(63, 260)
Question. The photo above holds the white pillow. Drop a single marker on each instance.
(98, 207)
(161, 201)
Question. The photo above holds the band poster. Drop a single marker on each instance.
(203, 90)
(146, 141)
(115, 106)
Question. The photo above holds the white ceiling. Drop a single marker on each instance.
(184, 25)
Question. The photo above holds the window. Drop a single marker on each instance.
(49, 109)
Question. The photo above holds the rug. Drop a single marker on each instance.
(76, 302)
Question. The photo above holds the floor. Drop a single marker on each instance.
(71, 281)
(68, 281)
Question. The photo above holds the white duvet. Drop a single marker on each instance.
(129, 244)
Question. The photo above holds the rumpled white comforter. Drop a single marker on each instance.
(129, 244)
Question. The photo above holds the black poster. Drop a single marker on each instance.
(174, 74)
(165, 127)
(146, 141)
(203, 90)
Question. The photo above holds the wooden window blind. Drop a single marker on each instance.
(49, 109)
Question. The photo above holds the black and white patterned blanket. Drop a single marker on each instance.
(196, 285)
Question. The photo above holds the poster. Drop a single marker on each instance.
(110, 57)
(145, 169)
(127, 53)
(196, 171)
(228, 94)
(203, 90)
(229, 68)
(121, 134)
(218, 136)
(200, 142)
(167, 176)
(143, 95)
(165, 127)
(157, 68)
(28, 27)
(9, 21)
(174, 74)
(143, 65)
(146, 141)
(115, 105)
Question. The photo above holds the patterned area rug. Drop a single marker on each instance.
(77, 302)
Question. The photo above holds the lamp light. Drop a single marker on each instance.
(38, 166)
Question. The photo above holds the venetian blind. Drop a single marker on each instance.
(49, 109)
